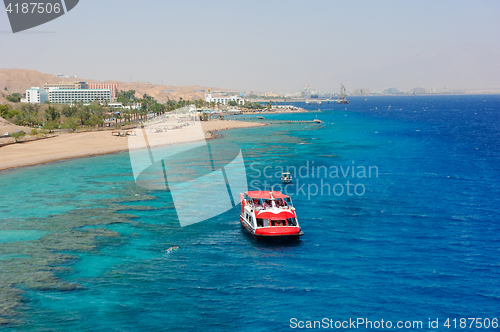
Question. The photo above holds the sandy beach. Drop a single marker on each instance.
(77, 145)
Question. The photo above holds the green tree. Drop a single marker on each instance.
(27, 115)
(94, 121)
(250, 105)
(126, 96)
(50, 126)
(12, 113)
(71, 123)
(83, 114)
(69, 111)
(52, 114)
(33, 132)
(4, 109)
(14, 97)
(17, 136)
(158, 108)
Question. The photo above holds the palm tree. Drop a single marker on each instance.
(118, 116)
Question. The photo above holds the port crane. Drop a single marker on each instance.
(342, 96)
(307, 92)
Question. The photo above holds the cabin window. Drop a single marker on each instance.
(262, 222)
(289, 201)
(291, 222)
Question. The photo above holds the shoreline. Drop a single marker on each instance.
(89, 144)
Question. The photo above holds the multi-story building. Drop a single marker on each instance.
(223, 100)
(66, 85)
(36, 95)
(112, 87)
(68, 96)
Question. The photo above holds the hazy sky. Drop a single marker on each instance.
(268, 45)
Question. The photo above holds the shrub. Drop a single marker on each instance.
(14, 98)
(71, 123)
(17, 136)
(51, 126)
(4, 109)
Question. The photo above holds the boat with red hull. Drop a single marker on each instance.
(269, 214)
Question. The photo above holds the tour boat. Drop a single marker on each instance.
(286, 177)
(269, 214)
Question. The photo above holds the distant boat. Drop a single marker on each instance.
(261, 117)
(169, 250)
(286, 177)
(317, 121)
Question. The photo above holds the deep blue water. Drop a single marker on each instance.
(418, 238)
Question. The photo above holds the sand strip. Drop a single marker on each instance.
(77, 145)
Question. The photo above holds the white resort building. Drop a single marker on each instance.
(36, 95)
(68, 96)
(223, 100)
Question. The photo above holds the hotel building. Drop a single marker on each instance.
(66, 85)
(68, 96)
(36, 95)
(112, 87)
(223, 100)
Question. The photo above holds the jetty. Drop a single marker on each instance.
(268, 121)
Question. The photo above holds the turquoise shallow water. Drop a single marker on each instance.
(21, 235)
(421, 241)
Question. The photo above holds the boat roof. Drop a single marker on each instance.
(266, 194)
(275, 216)
(285, 173)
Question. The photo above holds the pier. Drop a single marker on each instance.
(294, 102)
(279, 121)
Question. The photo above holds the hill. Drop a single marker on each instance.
(392, 91)
(18, 80)
(7, 127)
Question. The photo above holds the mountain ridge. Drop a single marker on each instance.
(18, 80)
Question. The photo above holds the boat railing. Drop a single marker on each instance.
(258, 207)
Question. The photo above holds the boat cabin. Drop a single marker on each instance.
(269, 213)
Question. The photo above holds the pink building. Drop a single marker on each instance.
(112, 87)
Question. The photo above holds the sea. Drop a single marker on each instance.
(398, 198)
